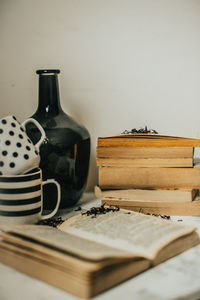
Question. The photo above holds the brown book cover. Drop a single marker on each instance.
(155, 207)
(157, 195)
(145, 152)
(149, 178)
(146, 140)
(145, 162)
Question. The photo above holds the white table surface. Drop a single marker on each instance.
(177, 278)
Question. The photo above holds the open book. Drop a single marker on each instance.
(91, 254)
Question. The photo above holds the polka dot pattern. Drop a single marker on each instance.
(7, 142)
(16, 149)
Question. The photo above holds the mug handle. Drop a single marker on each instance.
(44, 217)
(37, 124)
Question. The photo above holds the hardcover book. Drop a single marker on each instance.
(149, 178)
(147, 140)
(154, 195)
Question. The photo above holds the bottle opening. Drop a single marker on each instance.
(48, 72)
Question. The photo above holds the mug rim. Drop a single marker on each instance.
(37, 171)
(9, 116)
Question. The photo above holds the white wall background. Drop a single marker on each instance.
(124, 63)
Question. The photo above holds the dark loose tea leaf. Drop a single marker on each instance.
(78, 208)
(160, 216)
(144, 130)
(94, 211)
(53, 222)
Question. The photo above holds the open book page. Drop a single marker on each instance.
(133, 232)
(67, 243)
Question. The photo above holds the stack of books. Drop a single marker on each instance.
(149, 173)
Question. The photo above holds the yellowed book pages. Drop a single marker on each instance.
(145, 162)
(125, 232)
(144, 152)
(147, 141)
(60, 278)
(149, 178)
(147, 195)
(75, 260)
(162, 208)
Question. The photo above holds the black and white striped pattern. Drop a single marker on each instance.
(20, 196)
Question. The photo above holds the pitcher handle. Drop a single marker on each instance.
(37, 124)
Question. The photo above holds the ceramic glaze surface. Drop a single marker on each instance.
(21, 198)
(18, 154)
(66, 152)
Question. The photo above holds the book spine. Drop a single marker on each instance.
(159, 195)
(145, 162)
(144, 152)
(148, 142)
(149, 178)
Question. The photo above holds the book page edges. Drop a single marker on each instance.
(76, 246)
(61, 279)
(147, 141)
(151, 195)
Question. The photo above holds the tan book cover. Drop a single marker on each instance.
(90, 255)
(158, 207)
(146, 140)
(145, 152)
(149, 178)
(158, 195)
(146, 162)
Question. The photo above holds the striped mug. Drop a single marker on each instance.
(21, 198)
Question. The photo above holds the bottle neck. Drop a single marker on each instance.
(49, 100)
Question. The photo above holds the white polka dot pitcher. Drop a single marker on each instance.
(18, 155)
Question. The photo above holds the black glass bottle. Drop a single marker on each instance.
(65, 155)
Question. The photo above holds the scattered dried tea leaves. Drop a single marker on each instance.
(78, 208)
(160, 216)
(94, 211)
(144, 130)
(53, 222)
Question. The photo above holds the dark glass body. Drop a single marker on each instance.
(65, 155)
